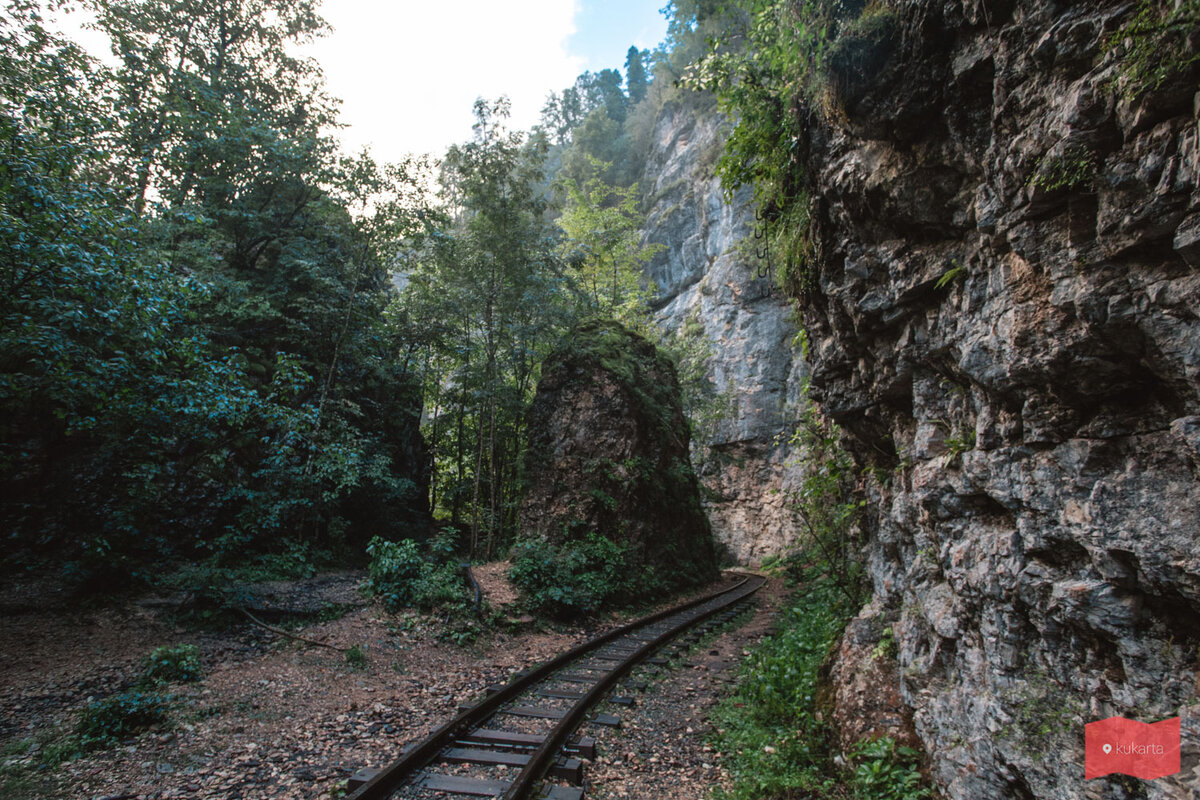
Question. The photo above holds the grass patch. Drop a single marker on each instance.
(774, 731)
(774, 740)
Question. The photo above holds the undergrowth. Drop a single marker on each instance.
(402, 575)
(774, 731)
(578, 577)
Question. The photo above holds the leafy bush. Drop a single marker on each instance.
(109, 721)
(576, 577)
(401, 577)
(167, 664)
(885, 771)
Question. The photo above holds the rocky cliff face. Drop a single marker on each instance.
(709, 280)
(608, 453)
(1006, 327)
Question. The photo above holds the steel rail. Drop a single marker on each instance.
(389, 779)
(539, 761)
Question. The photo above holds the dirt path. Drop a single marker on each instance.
(273, 718)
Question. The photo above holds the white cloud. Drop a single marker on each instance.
(408, 72)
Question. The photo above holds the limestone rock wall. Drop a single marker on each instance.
(608, 453)
(1035, 421)
(705, 273)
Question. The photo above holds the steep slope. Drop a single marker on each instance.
(1005, 325)
(709, 284)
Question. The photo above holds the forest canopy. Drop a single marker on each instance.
(224, 339)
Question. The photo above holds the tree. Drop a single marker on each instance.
(194, 358)
(495, 279)
(604, 247)
(636, 78)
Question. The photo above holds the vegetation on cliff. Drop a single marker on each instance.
(611, 503)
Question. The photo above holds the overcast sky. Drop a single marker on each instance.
(409, 71)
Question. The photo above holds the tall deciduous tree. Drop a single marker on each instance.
(604, 247)
(497, 281)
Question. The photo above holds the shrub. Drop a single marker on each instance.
(356, 658)
(401, 577)
(167, 664)
(576, 577)
(109, 721)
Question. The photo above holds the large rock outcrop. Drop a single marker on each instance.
(608, 453)
(1005, 323)
(711, 285)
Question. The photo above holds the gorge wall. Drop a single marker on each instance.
(1005, 324)
(709, 284)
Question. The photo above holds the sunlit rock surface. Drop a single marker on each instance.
(707, 272)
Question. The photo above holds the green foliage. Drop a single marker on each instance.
(828, 504)
(172, 663)
(603, 247)
(194, 355)
(950, 276)
(704, 404)
(885, 771)
(774, 728)
(886, 648)
(108, 722)
(402, 577)
(356, 658)
(772, 65)
(1157, 45)
(1073, 169)
(960, 442)
(578, 577)
(776, 740)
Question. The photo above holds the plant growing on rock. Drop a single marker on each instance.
(1157, 45)
(1073, 169)
(827, 505)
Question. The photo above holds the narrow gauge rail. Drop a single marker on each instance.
(591, 670)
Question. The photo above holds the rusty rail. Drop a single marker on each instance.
(388, 780)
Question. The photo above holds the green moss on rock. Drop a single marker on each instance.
(608, 455)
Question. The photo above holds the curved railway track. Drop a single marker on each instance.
(558, 696)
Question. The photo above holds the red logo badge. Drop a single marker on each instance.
(1140, 749)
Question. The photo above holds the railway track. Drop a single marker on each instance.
(522, 736)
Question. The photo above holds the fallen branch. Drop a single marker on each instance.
(282, 632)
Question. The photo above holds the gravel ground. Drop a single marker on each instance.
(274, 718)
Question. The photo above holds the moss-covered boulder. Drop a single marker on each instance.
(608, 455)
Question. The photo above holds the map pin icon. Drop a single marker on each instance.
(1107, 749)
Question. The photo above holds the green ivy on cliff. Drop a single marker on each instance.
(1157, 45)
(774, 66)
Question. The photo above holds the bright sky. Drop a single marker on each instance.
(409, 71)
